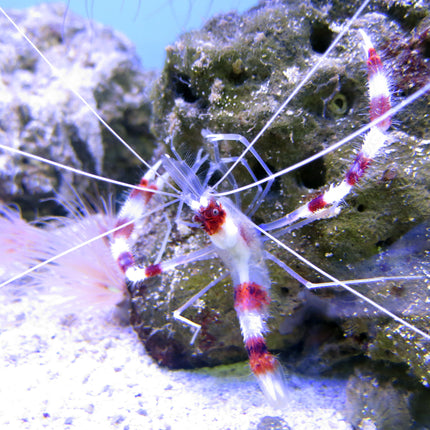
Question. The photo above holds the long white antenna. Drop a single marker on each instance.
(79, 246)
(416, 95)
(56, 72)
(343, 284)
(296, 90)
(82, 172)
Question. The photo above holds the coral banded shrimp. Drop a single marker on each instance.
(253, 348)
(236, 241)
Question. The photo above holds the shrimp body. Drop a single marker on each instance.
(240, 247)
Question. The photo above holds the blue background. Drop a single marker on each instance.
(150, 25)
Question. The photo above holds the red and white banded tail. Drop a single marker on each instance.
(250, 302)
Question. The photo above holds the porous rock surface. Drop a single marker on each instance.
(38, 114)
(231, 76)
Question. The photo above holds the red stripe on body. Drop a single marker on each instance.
(125, 260)
(378, 106)
(153, 270)
(250, 296)
(260, 359)
(125, 231)
(317, 203)
(135, 194)
(146, 194)
(374, 63)
(357, 169)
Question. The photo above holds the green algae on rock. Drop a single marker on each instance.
(231, 76)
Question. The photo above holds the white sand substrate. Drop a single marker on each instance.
(83, 372)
